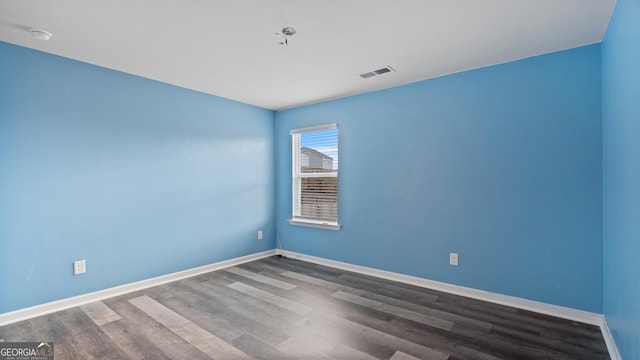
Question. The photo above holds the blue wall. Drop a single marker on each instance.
(500, 164)
(138, 177)
(621, 172)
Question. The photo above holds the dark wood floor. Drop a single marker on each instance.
(279, 308)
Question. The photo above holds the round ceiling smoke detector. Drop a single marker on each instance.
(40, 34)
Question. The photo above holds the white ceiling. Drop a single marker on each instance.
(229, 47)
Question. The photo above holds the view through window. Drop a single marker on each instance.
(315, 174)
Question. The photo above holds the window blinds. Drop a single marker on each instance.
(315, 174)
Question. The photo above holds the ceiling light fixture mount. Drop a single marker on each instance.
(40, 34)
(285, 33)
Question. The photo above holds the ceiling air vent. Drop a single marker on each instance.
(373, 73)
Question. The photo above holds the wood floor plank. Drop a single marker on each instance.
(120, 334)
(445, 315)
(556, 327)
(194, 309)
(399, 355)
(522, 324)
(52, 329)
(398, 292)
(273, 269)
(261, 278)
(230, 298)
(230, 321)
(299, 349)
(151, 333)
(413, 308)
(316, 281)
(20, 331)
(100, 313)
(301, 266)
(321, 302)
(394, 310)
(466, 309)
(274, 318)
(342, 336)
(270, 298)
(507, 319)
(86, 338)
(438, 295)
(497, 345)
(343, 327)
(552, 344)
(259, 350)
(131, 343)
(346, 352)
(264, 268)
(206, 342)
(295, 332)
(448, 342)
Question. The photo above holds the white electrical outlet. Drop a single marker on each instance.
(79, 267)
(453, 259)
(259, 234)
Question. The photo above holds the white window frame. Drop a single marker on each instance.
(296, 180)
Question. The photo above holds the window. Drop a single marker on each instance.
(315, 176)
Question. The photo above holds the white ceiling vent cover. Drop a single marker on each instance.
(380, 71)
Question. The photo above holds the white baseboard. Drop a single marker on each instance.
(614, 354)
(47, 308)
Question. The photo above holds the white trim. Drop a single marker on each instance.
(47, 308)
(315, 224)
(313, 128)
(520, 303)
(318, 175)
(614, 354)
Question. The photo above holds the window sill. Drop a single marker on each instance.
(315, 224)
